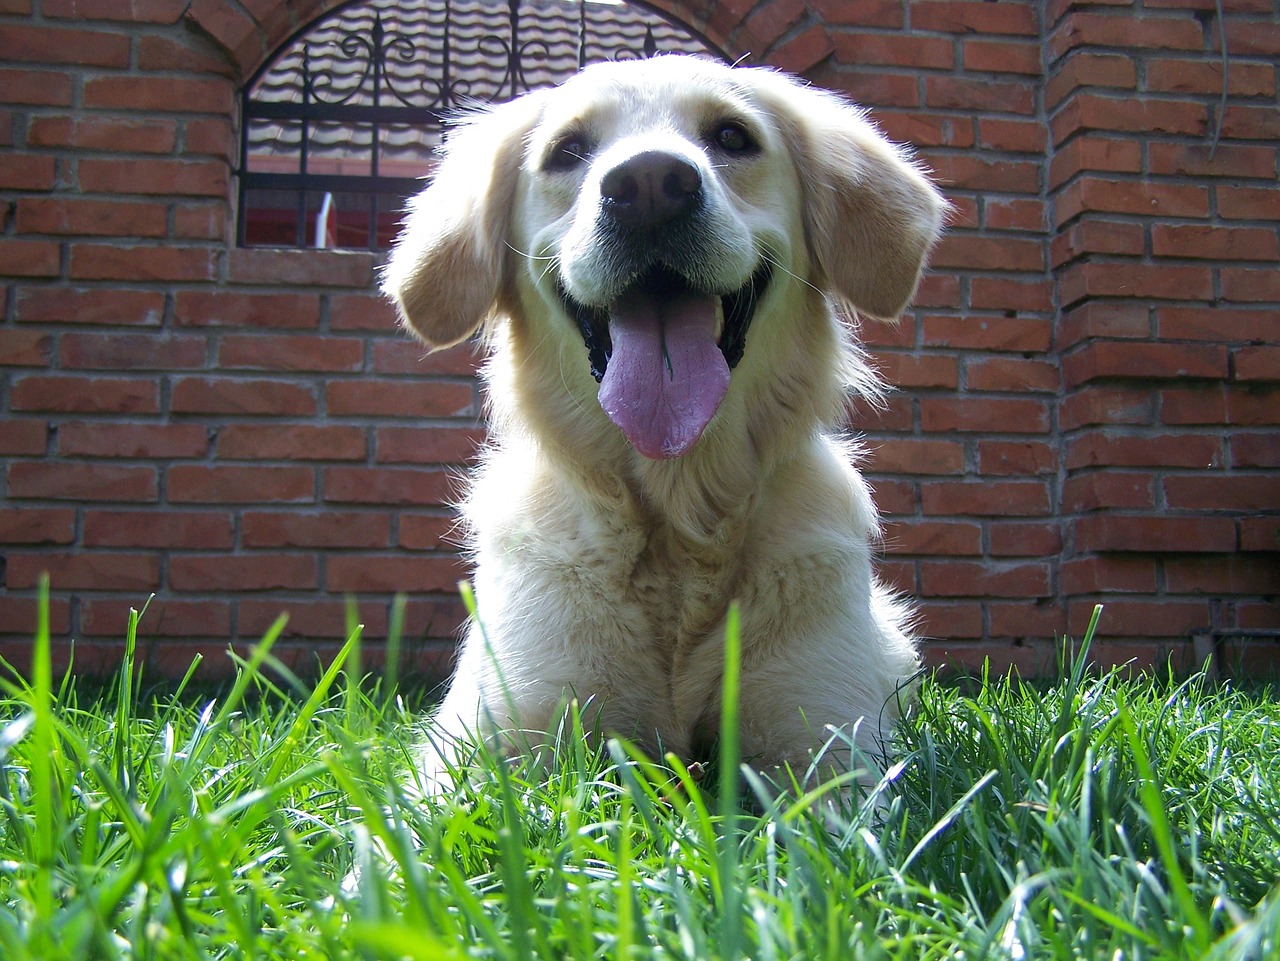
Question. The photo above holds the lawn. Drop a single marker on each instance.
(1099, 816)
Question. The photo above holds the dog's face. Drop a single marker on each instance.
(667, 222)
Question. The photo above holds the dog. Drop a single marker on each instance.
(664, 258)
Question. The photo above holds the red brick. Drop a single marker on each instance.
(62, 215)
(369, 311)
(1101, 319)
(243, 572)
(918, 370)
(1008, 294)
(1012, 374)
(388, 485)
(1121, 29)
(138, 264)
(163, 617)
(1250, 284)
(988, 333)
(312, 619)
(974, 16)
(1108, 448)
(23, 436)
(951, 620)
(1252, 37)
(290, 442)
(1016, 458)
(1242, 122)
(427, 445)
(299, 352)
(892, 89)
(977, 94)
(117, 134)
(1141, 198)
(197, 221)
(1260, 533)
(1260, 363)
(168, 94)
(1215, 323)
(1107, 490)
(18, 615)
(47, 88)
(894, 50)
(211, 136)
(167, 441)
(405, 356)
(1088, 236)
(1198, 404)
(1163, 534)
(393, 573)
(983, 579)
(1144, 281)
(1184, 75)
(1248, 203)
(131, 351)
(193, 483)
(199, 308)
(85, 571)
(1222, 575)
(1100, 360)
(1002, 415)
(136, 11)
(1082, 70)
(162, 53)
(1043, 619)
(153, 177)
(1255, 450)
(226, 395)
(82, 48)
(1087, 112)
(398, 399)
(965, 252)
(70, 480)
(1106, 405)
(1203, 241)
(1157, 618)
(303, 268)
(324, 529)
(1096, 154)
(429, 532)
(89, 395)
(30, 258)
(1107, 574)
(1223, 492)
(1253, 407)
(1201, 160)
(858, 13)
(64, 305)
(1015, 214)
(166, 528)
(1039, 539)
(916, 456)
(997, 56)
(933, 538)
(985, 498)
(34, 525)
(24, 348)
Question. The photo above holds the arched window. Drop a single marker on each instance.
(339, 126)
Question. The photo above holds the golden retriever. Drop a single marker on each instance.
(659, 253)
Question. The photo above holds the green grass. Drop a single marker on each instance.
(1096, 817)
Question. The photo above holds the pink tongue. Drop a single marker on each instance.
(666, 375)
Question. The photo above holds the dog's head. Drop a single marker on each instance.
(662, 228)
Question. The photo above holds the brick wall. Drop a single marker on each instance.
(1089, 386)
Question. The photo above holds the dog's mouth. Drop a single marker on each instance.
(662, 351)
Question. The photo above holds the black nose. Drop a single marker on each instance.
(650, 189)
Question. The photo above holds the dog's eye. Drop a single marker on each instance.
(733, 137)
(568, 152)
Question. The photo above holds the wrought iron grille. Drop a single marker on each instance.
(341, 125)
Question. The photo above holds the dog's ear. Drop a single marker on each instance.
(448, 265)
(871, 215)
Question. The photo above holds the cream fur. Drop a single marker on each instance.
(602, 574)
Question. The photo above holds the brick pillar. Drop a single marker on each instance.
(1165, 251)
